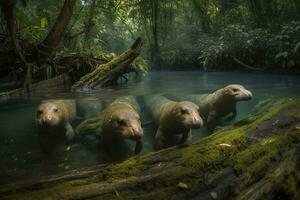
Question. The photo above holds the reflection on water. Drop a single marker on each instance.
(20, 155)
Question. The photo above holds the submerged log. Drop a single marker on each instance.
(257, 158)
(58, 84)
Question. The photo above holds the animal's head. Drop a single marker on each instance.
(236, 93)
(126, 123)
(49, 114)
(186, 113)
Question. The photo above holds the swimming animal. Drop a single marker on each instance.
(121, 120)
(53, 121)
(220, 103)
(172, 118)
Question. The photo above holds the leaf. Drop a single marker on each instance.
(44, 22)
(296, 47)
(291, 63)
(281, 54)
(141, 66)
(182, 185)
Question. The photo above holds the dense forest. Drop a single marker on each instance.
(149, 99)
(42, 39)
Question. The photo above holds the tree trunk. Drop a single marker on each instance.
(202, 12)
(297, 6)
(8, 11)
(155, 50)
(89, 24)
(257, 158)
(109, 73)
(255, 9)
(106, 73)
(55, 35)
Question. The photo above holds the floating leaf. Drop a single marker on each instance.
(182, 185)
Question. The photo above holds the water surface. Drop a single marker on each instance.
(20, 155)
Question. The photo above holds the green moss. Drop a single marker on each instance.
(253, 162)
(266, 164)
(101, 70)
(213, 151)
(90, 126)
(280, 182)
(274, 109)
(51, 193)
(129, 168)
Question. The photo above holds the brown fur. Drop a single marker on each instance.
(173, 118)
(220, 103)
(53, 120)
(122, 121)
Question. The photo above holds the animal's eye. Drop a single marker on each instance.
(184, 111)
(39, 112)
(55, 110)
(121, 122)
(235, 90)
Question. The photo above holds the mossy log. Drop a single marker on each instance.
(111, 71)
(74, 71)
(257, 158)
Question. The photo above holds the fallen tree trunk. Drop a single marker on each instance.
(53, 86)
(107, 72)
(257, 158)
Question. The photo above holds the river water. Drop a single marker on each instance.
(20, 155)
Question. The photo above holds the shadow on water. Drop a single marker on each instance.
(20, 155)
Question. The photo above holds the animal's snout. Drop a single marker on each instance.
(197, 121)
(137, 130)
(249, 94)
(47, 118)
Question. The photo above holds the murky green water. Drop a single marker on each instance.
(20, 155)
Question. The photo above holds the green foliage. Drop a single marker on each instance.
(259, 48)
(211, 34)
(36, 18)
(141, 66)
(90, 126)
